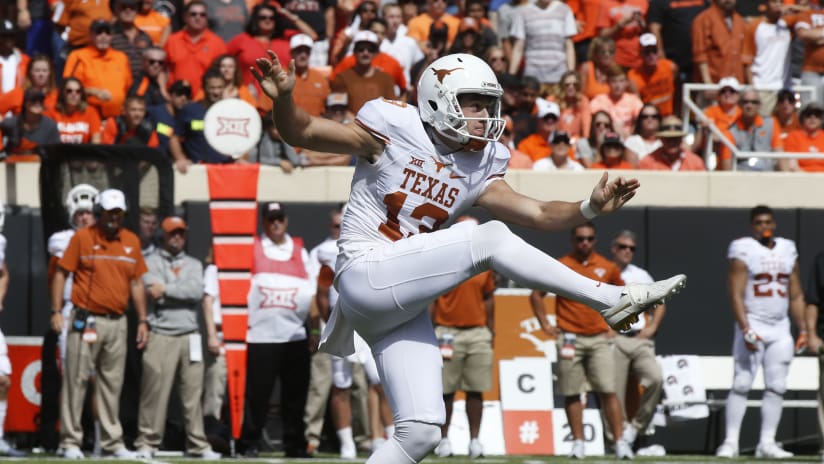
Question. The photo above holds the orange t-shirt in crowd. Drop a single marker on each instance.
(188, 60)
(310, 92)
(593, 87)
(418, 27)
(536, 147)
(153, 24)
(77, 127)
(575, 120)
(383, 61)
(586, 12)
(464, 306)
(721, 118)
(813, 52)
(578, 318)
(656, 161)
(798, 141)
(103, 270)
(13, 100)
(519, 160)
(78, 16)
(627, 44)
(108, 70)
(110, 134)
(658, 87)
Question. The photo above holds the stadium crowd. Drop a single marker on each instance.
(575, 73)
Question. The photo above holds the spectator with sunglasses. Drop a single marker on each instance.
(104, 71)
(77, 121)
(672, 156)
(585, 343)
(644, 139)
(807, 139)
(575, 114)
(751, 132)
(269, 28)
(635, 348)
(126, 36)
(150, 81)
(192, 49)
(366, 11)
(656, 77)
(785, 112)
(364, 81)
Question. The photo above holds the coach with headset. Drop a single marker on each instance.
(107, 264)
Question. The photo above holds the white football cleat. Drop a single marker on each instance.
(73, 452)
(444, 448)
(623, 450)
(476, 449)
(637, 298)
(577, 450)
(727, 450)
(771, 451)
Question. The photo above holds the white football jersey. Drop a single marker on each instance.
(58, 242)
(415, 186)
(324, 255)
(766, 297)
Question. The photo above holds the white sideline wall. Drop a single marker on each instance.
(669, 189)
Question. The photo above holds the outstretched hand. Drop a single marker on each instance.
(608, 197)
(273, 78)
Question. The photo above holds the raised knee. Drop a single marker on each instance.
(417, 438)
(494, 230)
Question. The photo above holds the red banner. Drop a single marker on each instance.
(24, 394)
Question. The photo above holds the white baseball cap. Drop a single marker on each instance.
(649, 40)
(112, 199)
(546, 107)
(366, 36)
(730, 82)
(337, 99)
(300, 40)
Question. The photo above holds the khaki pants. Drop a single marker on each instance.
(214, 383)
(638, 355)
(320, 382)
(593, 363)
(165, 361)
(106, 357)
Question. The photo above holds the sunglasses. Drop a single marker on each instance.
(368, 10)
(276, 218)
(650, 116)
(751, 102)
(786, 99)
(671, 127)
(496, 58)
(728, 90)
(366, 48)
(181, 232)
(584, 238)
(154, 61)
(69, 91)
(103, 31)
(602, 124)
(195, 14)
(622, 246)
(128, 7)
(265, 18)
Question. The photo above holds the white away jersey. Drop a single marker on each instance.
(766, 296)
(325, 254)
(412, 188)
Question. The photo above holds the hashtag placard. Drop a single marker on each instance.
(528, 432)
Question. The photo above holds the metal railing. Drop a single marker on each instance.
(710, 157)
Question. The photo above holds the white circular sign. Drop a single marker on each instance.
(232, 127)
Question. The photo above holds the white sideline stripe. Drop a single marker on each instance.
(228, 275)
(233, 204)
(230, 240)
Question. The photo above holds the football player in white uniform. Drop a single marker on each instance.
(79, 205)
(763, 281)
(5, 362)
(418, 170)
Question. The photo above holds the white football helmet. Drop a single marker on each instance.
(438, 89)
(81, 197)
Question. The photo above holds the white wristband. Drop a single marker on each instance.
(587, 211)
